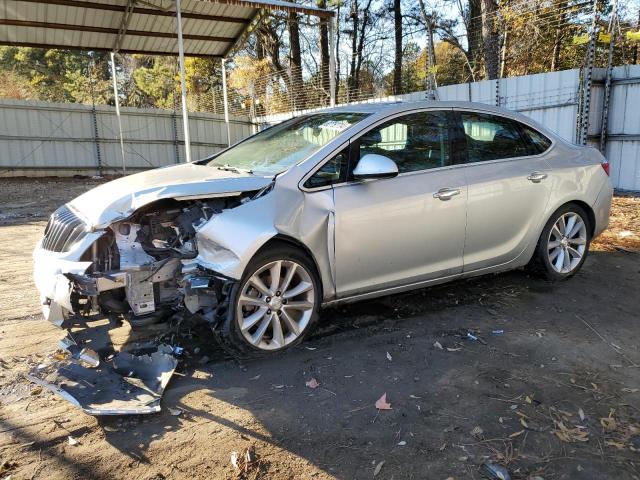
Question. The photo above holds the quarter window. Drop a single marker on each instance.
(538, 143)
(490, 137)
(332, 172)
(417, 141)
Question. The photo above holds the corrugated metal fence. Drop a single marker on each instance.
(46, 139)
(39, 138)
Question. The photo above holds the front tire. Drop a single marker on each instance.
(275, 304)
(564, 243)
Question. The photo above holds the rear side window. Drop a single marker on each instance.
(490, 137)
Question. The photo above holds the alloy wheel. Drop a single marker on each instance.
(567, 242)
(275, 304)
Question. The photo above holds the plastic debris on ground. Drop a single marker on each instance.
(494, 472)
(125, 384)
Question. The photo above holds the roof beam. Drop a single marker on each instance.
(110, 31)
(316, 12)
(126, 18)
(140, 11)
(255, 23)
(48, 46)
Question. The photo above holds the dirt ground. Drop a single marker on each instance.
(550, 391)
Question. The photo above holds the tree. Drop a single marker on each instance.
(324, 48)
(397, 64)
(295, 62)
(490, 38)
(58, 75)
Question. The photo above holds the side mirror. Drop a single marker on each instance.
(375, 166)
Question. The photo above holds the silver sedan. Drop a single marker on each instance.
(335, 206)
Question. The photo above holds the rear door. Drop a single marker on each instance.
(506, 174)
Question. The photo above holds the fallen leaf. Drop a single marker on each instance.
(570, 435)
(313, 383)
(389, 357)
(402, 443)
(256, 377)
(618, 445)
(477, 432)
(381, 403)
(609, 423)
(414, 396)
(376, 470)
(175, 412)
(438, 345)
(72, 441)
(516, 434)
(527, 399)
(581, 414)
(449, 349)
(631, 390)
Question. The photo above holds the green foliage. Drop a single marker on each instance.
(56, 75)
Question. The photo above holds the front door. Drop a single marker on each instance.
(407, 229)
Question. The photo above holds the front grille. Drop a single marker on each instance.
(63, 230)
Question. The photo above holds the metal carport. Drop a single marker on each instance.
(203, 28)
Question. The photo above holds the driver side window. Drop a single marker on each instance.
(418, 141)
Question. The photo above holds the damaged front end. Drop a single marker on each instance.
(144, 269)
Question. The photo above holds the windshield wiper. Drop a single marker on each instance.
(231, 168)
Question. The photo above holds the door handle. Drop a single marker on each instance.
(537, 177)
(446, 193)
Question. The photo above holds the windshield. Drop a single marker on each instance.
(280, 147)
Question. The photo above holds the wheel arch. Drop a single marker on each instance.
(591, 216)
(282, 239)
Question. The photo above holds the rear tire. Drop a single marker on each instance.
(563, 244)
(275, 304)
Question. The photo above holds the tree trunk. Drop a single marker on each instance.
(354, 47)
(337, 50)
(324, 49)
(295, 61)
(360, 48)
(490, 38)
(474, 33)
(397, 65)
(557, 41)
(430, 63)
(503, 53)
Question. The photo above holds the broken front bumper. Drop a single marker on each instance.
(49, 274)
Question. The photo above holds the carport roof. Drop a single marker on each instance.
(211, 28)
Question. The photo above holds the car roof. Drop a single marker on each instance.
(399, 106)
(383, 109)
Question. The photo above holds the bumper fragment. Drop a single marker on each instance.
(125, 385)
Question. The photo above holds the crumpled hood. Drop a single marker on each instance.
(119, 198)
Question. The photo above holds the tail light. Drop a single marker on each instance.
(605, 167)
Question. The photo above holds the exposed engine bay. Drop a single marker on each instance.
(143, 267)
